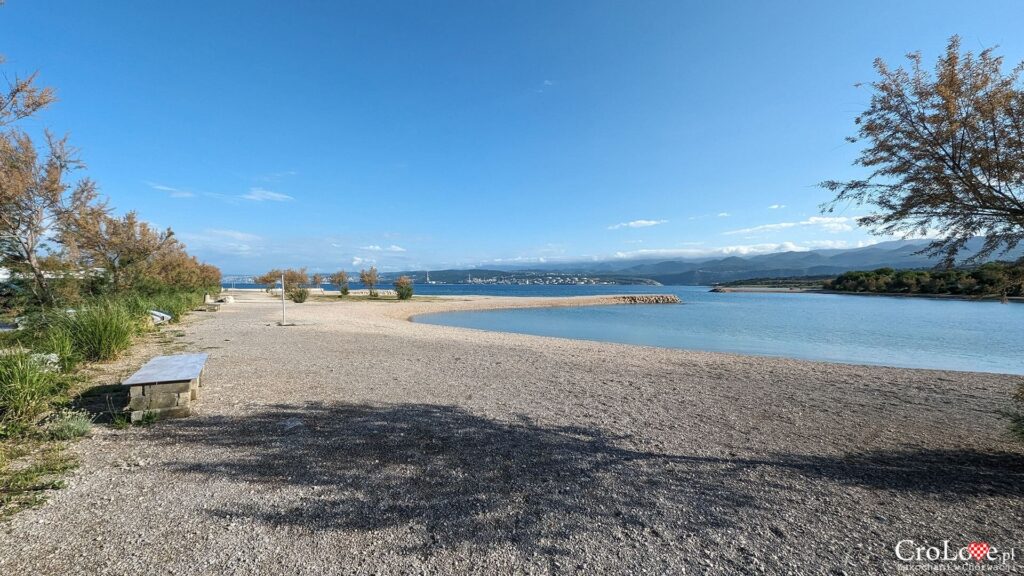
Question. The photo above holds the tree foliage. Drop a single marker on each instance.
(991, 279)
(370, 279)
(121, 246)
(23, 98)
(293, 278)
(946, 153)
(403, 287)
(340, 279)
(37, 203)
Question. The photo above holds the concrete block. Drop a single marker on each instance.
(162, 400)
(168, 388)
(138, 403)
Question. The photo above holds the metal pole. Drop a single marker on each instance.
(282, 300)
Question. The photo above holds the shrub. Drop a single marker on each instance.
(340, 279)
(403, 288)
(101, 331)
(68, 424)
(299, 295)
(26, 389)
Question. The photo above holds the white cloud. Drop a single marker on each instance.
(831, 224)
(357, 261)
(776, 206)
(171, 191)
(226, 242)
(378, 248)
(737, 250)
(233, 235)
(636, 224)
(261, 195)
(723, 214)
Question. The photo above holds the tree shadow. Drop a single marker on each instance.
(450, 478)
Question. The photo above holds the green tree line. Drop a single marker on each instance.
(1001, 279)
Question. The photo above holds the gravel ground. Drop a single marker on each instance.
(357, 442)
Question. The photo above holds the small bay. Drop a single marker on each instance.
(982, 336)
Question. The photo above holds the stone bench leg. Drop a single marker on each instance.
(165, 400)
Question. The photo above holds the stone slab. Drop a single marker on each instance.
(175, 368)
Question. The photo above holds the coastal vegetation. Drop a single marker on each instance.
(340, 279)
(1000, 279)
(403, 287)
(79, 286)
(369, 278)
(945, 156)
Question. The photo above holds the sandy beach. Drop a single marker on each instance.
(356, 441)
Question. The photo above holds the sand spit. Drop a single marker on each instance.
(357, 442)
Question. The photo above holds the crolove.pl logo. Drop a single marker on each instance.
(977, 556)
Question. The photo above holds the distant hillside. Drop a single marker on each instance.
(898, 254)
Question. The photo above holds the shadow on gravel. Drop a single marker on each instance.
(446, 477)
(953, 474)
(450, 477)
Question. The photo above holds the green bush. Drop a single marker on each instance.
(68, 424)
(100, 331)
(27, 387)
(403, 288)
(299, 295)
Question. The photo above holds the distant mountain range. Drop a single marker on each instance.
(892, 254)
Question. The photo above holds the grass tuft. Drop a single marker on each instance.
(27, 387)
(26, 475)
(101, 331)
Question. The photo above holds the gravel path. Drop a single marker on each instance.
(358, 442)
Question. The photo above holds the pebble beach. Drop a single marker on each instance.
(357, 441)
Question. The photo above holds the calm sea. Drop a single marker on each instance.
(910, 332)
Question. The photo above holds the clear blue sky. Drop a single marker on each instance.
(439, 134)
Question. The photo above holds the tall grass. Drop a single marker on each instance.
(175, 304)
(100, 331)
(26, 390)
(58, 340)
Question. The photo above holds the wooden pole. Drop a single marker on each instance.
(282, 300)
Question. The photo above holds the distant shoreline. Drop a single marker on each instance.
(773, 290)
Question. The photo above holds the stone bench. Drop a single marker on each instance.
(165, 386)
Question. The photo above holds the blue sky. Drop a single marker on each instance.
(441, 134)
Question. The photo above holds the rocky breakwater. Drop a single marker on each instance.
(647, 299)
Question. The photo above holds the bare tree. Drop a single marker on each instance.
(946, 153)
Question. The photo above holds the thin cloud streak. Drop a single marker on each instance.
(262, 195)
(833, 224)
(637, 224)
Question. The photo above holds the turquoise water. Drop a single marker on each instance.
(909, 332)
